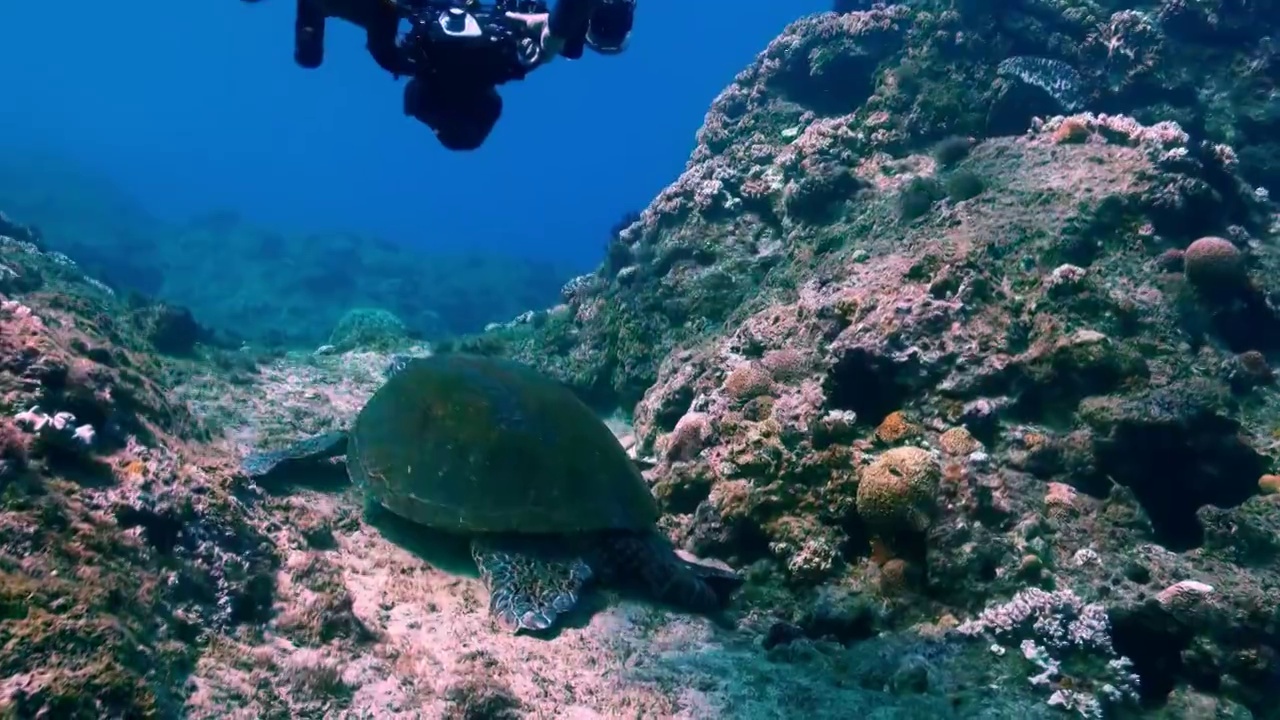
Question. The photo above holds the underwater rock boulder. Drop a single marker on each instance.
(368, 328)
(170, 329)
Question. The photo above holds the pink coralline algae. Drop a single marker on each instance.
(945, 411)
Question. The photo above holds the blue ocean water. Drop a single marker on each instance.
(198, 106)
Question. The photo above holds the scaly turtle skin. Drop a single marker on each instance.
(512, 459)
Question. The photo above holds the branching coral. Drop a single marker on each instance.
(58, 430)
(1057, 633)
(1132, 44)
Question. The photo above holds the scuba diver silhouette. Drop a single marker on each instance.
(457, 52)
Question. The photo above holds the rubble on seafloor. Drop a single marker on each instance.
(991, 432)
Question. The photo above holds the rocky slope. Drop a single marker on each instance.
(935, 379)
(989, 425)
(143, 577)
(121, 540)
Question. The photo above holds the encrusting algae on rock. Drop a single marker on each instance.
(992, 454)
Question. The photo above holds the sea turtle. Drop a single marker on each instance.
(514, 461)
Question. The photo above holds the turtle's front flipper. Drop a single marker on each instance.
(313, 449)
(528, 591)
(648, 562)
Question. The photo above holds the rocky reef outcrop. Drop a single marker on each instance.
(122, 543)
(935, 374)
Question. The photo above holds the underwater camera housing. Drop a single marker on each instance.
(308, 34)
(457, 52)
(469, 38)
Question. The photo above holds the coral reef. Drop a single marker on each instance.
(962, 355)
(121, 541)
(1054, 378)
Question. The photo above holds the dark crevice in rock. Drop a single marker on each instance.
(1236, 202)
(1047, 387)
(1014, 108)
(161, 528)
(1246, 322)
(673, 408)
(686, 490)
(739, 540)
(253, 603)
(1177, 454)
(72, 461)
(866, 383)
(1053, 397)
(600, 395)
(857, 539)
(1190, 210)
(814, 197)
(844, 83)
(1154, 642)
